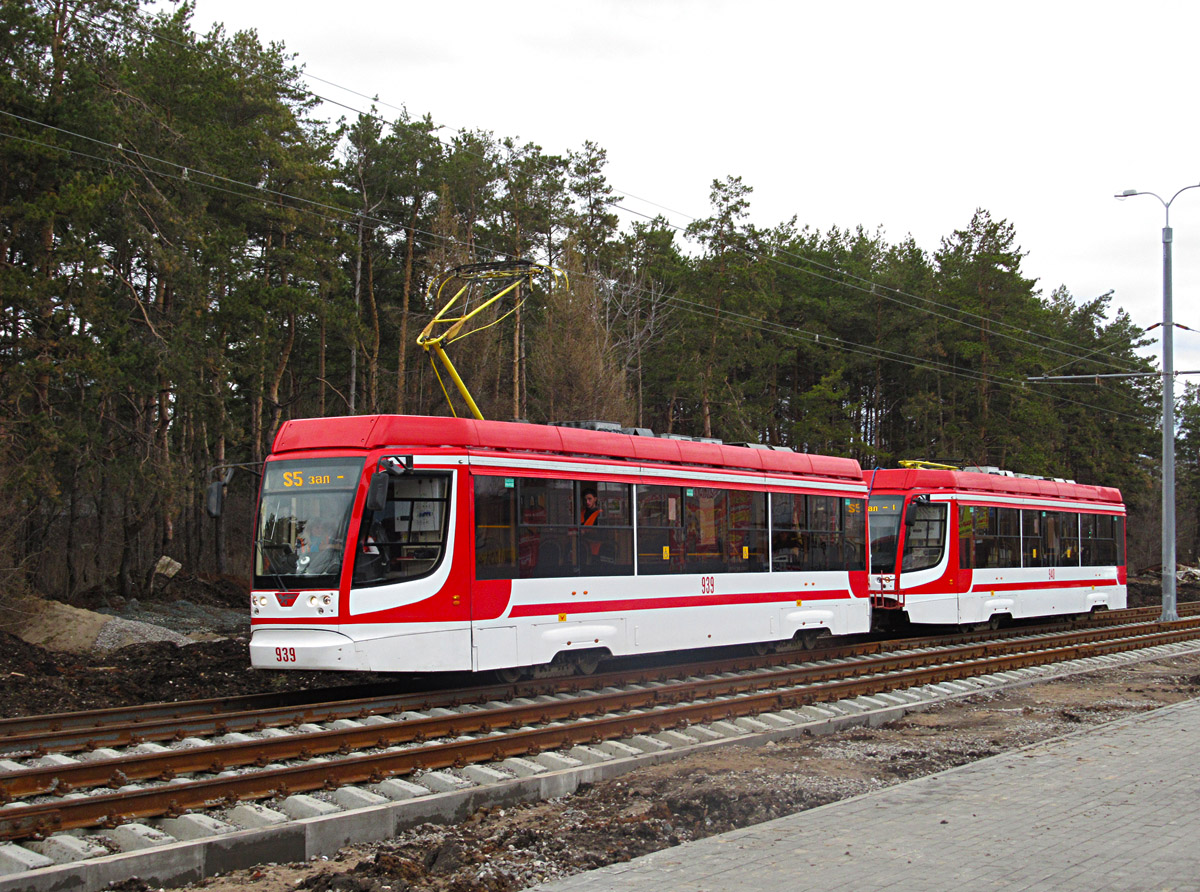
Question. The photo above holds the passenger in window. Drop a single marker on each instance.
(591, 509)
(590, 516)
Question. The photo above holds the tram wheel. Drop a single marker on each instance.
(510, 674)
(808, 640)
(586, 663)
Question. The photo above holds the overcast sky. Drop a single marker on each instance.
(901, 115)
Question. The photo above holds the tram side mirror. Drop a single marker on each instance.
(377, 491)
(214, 499)
(910, 514)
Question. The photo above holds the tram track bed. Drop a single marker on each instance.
(462, 786)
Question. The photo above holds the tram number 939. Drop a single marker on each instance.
(708, 585)
(285, 655)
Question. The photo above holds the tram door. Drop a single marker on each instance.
(884, 515)
(927, 581)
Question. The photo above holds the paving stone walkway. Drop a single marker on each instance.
(1111, 808)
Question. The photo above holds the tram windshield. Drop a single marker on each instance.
(302, 522)
(883, 519)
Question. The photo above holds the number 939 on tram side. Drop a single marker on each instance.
(427, 544)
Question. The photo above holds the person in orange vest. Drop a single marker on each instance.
(589, 516)
(591, 509)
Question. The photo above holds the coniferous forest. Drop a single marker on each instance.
(191, 255)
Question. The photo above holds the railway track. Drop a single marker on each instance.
(387, 735)
(177, 721)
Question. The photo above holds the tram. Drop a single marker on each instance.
(979, 546)
(418, 544)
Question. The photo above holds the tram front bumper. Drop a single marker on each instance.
(303, 649)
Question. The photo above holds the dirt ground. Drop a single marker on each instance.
(504, 850)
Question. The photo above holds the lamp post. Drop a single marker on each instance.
(1168, 420)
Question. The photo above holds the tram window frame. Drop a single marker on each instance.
(547, 536)
(660, 526)
(1043, 534)
(854, 534)
(967, 547)
(1099, 535)
(495, 500)
(547, 515)
(748, 532)
(1007, 538)
(814, 533)
(1069, 556)
(605, 548)
(705, 510)
(931, 525)
(995, 538)
(383, 548)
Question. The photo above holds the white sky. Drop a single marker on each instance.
(904, 115)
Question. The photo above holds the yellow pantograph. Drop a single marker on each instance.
(918, 464)
(479, 286)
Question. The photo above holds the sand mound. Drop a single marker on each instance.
(60, 627)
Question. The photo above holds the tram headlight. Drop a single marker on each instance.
(262, 600)
(327, 600)
(312, 601)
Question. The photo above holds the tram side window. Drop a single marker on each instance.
(1120, 521)
(1032, 523)
(1068, 539)
(725, 530)
(1106, 526)
(824, 533)
(967, 546)
(407, 539)
(697, 529)
(789, 521)
(547, 521)
(495, 527)
(1098, 539)
(817, 532)
(1051, 538)
(605, 532)
(704, 514)
(532, 527)
(995, 538)
(660, 530)
(925, 537)
(746, 536)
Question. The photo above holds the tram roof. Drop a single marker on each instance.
(419, 431)
(932, 480)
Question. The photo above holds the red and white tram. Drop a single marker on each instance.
(978, 546)
(403, 543)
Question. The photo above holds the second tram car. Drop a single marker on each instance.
(979, 546)
(404, 543)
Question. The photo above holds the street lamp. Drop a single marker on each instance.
(1168, 420)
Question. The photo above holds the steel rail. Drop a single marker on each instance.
(61, 779)
(23, 821)
(122, 726)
